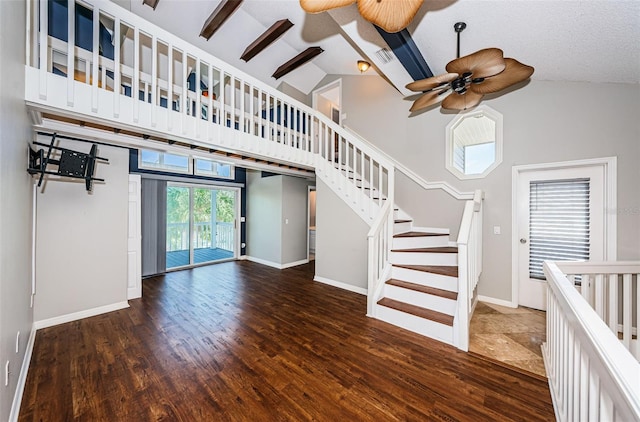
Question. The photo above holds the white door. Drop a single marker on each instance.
(560, 216)
(134, 239)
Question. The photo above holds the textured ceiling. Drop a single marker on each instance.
(596, 41)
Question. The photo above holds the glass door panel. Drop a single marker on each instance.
(178, 231)
(201, 225)
(225, 223)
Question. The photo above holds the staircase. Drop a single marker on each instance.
(417, 278)
(422, 293)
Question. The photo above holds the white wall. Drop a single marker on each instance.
(341, 240)
(294, 216)
(82, 239)
(276, 218)
(16, 314)
(264, 216)
(543, 122)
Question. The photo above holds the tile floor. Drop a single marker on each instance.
(512, 336)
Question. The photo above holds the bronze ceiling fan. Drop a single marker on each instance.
(469, 78)
(390, 15)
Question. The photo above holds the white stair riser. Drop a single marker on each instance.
(401, 227)
(416, 324)
(420, 242)
(401, 215)
(426, 279)
(424, 258)
(424, 300)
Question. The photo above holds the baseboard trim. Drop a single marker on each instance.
(275, 264)
(341, 285)
(22, 378)
(495, 301)
(50, 322)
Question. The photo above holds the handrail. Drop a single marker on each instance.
(592, 376)
(469, 266)
(379, 240)
(445, 186)
(154, 66)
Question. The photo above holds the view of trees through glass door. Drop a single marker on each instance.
(200, 225)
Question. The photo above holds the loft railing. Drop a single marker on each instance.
(121, 71)
(592, 373)
(469, 267)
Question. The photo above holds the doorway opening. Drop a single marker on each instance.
(201, 225)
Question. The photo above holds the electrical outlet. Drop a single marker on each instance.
(6, 374)
(18, 342)
(286, 221)
(496, 230)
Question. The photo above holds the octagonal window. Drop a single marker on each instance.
(474, 143)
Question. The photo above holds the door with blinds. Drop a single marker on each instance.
(560, 218)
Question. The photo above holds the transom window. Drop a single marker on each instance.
(157, 160)
(213, 168)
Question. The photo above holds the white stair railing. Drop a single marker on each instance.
(144, 85)
(379, 238)
(608, 288)
(469, 267)
(592, 376)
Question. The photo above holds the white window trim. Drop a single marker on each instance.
(232, 173)
(480, 110)
(609, 166)
(141, 165)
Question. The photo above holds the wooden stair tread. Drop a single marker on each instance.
(448, 270)
(419, 234)
(442, 249)
(417, 311)
(402, 221)
(423, 289)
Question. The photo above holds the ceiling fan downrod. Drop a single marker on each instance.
(459, 27)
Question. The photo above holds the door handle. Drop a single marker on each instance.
(523, 241)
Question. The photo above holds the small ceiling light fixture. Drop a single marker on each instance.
(363, 65)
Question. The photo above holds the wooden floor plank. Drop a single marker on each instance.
(239, 341)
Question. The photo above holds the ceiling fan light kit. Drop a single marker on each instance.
(469, 78)
(390, 15)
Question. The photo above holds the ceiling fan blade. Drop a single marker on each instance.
(390, 15)
(317, 6)
(428, 99)
(433, 82)
(464, 101)
(513, 73)
(481, 64)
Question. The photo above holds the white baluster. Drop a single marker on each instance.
(170, 87)
(613, 302)
(185, 91)
(136, 75)
(198, 103)
(45, 60)
(96, 59)
(117, 89)
(627, 303)
(71, 51)
(155, 102)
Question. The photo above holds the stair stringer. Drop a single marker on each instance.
(347, 190)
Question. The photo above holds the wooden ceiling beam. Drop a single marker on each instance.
(297, 61)
(151, 3)
(218, 17)
(268, 37)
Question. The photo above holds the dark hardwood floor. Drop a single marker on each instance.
(239, 341)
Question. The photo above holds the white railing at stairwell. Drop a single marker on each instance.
(379, 241)
(142, 86)
(469, 267)
(592, 375)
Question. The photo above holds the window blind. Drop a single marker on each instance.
(558, 222)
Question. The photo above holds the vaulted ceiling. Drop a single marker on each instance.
(589, 40)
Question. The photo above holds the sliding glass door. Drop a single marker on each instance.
(201, 224)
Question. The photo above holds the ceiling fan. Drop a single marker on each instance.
(390, 15)
(469, 78)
